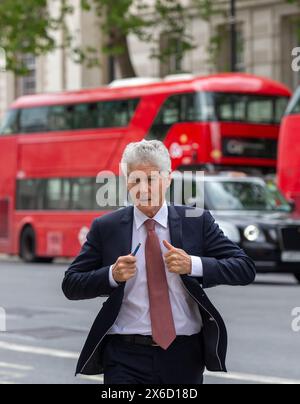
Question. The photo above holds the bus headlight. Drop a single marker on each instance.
(230, 231)
(254, 234)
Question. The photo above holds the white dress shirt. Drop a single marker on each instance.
(134, 315)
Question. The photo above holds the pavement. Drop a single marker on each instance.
(45, 332)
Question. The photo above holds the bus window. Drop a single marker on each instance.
(45, 119)
(64, 194)
(34, 120)
(60, 117)
(189, 107)
(85, 116)
(260, 111)
(294, 106)
(83, 194)
(30, 195)
(280, 107)
(116, 113)
(249, 108)
(10, 123)
(106, 114)
(171, 113)
(57, 194)
(230, 107)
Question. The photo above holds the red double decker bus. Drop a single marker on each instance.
(289, 151)
(53, 145)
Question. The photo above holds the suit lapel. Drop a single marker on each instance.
(124, 241)
(125, 231)
(175, 227)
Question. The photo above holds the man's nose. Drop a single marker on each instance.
(144, 188)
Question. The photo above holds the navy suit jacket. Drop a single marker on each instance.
(110, 236)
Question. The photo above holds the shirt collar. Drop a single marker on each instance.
(161, 216)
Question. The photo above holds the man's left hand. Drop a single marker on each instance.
(177, 260)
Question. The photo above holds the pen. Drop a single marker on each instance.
(136, 250)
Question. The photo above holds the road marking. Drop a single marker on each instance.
(38, 351)
(92, 378)
(6, 382)
(6, 375)
(9, 373)
(73, 355)
(15, 366)
(245, 377)
(229, 376)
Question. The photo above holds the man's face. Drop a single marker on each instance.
(147, 187)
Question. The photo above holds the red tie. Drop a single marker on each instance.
(162, 323)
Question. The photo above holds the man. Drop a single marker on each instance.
(157, 326)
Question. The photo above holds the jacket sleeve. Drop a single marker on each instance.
(86, 278)
(224, 262)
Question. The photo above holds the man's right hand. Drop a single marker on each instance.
(124, 268)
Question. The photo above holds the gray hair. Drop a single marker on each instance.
(146, 151)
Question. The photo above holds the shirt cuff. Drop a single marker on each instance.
(197, 267)
(112, 282)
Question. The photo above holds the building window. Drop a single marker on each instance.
(172, 55)
(26, 85)
(223, 54)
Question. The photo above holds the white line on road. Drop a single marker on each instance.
(15, 366)
(73, 355)
(38, 351)
(6, 382)
(9, 373)
(6, 375)
(244, 377)
(92, 378)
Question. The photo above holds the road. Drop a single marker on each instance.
(45, 332)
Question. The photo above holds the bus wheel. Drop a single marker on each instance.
(45, 260)
(27, 245)
(297, 276)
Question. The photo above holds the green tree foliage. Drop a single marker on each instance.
(26, 27)
(122, 18)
